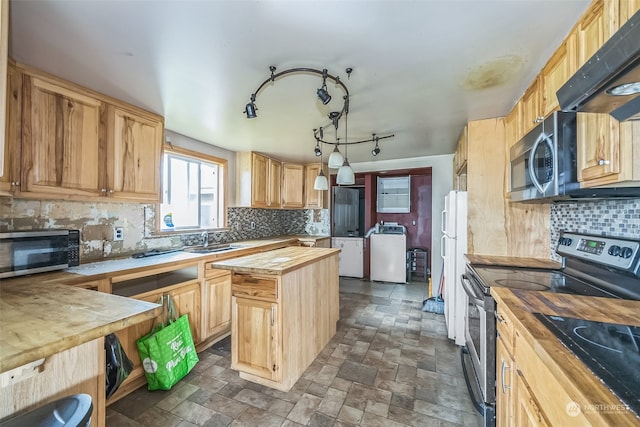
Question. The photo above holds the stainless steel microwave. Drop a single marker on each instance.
(29, 252)
(543, 164)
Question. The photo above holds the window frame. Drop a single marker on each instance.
(201, 157)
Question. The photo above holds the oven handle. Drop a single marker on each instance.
(476, 403)
(468, 289)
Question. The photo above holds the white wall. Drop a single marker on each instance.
(442, 181)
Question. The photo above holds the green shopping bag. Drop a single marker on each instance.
(168, 352)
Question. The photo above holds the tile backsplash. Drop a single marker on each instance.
(619, 218)
(96, 221)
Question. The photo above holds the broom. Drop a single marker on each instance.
(435, 304)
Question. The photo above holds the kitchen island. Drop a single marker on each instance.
(285, 305)
(51, 342)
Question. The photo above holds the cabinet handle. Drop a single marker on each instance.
(111, 191)
(501, 319)
(103, 190)
(538, 119)
(15, 183)
(602, 162)
(504, 386)
(273, 315)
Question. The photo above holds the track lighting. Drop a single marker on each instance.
(376, 150)
(345, 173)
(321, 92)
(317, 150)
(250, 109)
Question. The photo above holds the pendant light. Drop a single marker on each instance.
(321, 182)
(345, 173)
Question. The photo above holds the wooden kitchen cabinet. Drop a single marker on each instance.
(314, 199)
(255, 338)
(505, 401)
(187, 298)
(135, 141)
(528, 412)
(258, 180)
(560, 67)
(627, 9)
(217, 304)
(61, 142)
(460, 161)
(531, 107)
(292, 185)
(68, 142)
(10, 176)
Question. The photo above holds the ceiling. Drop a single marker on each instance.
(421, 69)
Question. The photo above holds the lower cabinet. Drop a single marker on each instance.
(187, 298)
(504, 386)
(254, 336)
(216, 318)
(527, 409)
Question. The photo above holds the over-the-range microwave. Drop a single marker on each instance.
(543, 164)
(38, 251)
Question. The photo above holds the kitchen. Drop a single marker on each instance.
(489, 234)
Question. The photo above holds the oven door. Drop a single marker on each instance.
(480, 350)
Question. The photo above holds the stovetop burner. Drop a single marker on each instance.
(535, 280)
(611, 351)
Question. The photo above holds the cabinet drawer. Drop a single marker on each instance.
(505, 329)
(244, 285)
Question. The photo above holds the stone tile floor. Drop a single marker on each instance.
(390, 364)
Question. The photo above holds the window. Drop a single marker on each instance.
(193, 191)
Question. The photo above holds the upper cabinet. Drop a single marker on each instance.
(556, 72)
(314, 199)
(60, 140)
(10, 176)
(258, 180)
(531, 107)
(292, 185)
(68, 142)
(134, 141)
(460, 161)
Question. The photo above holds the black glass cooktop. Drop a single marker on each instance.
(535, 280)
(610, 351)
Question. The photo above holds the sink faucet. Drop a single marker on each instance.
(205, 239)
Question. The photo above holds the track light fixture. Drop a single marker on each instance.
(376, 150)
(322, 92)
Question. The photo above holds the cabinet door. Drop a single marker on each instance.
(259, 180)
(530, 110)
(188, 301)
(135, 150)
(627, 9)
(528, 412)
(274, 194)
(254, 337)
(10, 176)
(505, 401)
(313, 199)
(559, 68)
(292, 185)
(217, 309)
(61, 152)
(598, 134)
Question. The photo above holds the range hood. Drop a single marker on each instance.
(609, 82)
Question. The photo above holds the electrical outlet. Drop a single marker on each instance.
(253, 225)
(118, 234)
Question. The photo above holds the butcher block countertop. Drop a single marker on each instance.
(508, 261)
(576, 378)
(276, 262)
(41, 319)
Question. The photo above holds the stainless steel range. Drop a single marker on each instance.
(592, 266)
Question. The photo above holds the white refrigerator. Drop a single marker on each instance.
(452, 248)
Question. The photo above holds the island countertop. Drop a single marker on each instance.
(41, 319)
(275, 262)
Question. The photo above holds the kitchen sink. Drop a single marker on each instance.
(208, 249)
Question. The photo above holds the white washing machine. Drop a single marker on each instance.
(350, 260)
(388, 252)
